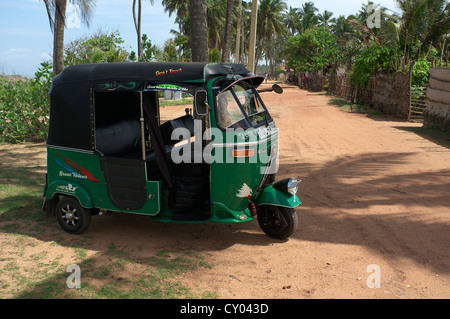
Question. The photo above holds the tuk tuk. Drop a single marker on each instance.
(108, 150)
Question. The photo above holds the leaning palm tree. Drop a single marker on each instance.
(56, 12)
(137, 25)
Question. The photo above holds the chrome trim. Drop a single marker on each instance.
(245, 143)
(69, 149)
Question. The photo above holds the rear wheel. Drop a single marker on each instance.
(278, 222)
(71, 216)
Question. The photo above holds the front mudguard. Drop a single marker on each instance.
(271, 196)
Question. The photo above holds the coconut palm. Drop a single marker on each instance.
(423, 24)
(56, 12)
(325, 18)
(292, 18)
(271, 25)
(226, 50)
(199, 30)
(215, 14)
(137, 24)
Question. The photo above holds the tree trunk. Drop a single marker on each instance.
(238, 33)
(58, 36)
(226, 50)
(199, 31)
(137, 25)
(252, 44)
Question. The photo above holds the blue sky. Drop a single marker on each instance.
(26, 39)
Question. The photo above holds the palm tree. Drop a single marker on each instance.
(56, 12)
(308, 16)
(423, 24)
(137, 25)
(179, 7)
(215, 14)
(226, 50)
(199, 30)
(271, 25)
(325, 18)
(238, 33)
(292, 17)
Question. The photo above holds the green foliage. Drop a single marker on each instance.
(98, 48)
(24, 107)
(149, 51)
(314, 49)
(420, 73)
(370, 60)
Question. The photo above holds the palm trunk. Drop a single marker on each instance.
(137, 25)
(252, 44)
(199, 30)
(228, 31)
(238, 33)
(58, 36)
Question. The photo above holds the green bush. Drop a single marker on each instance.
(420, 72)
(371, 60)
(24, 107)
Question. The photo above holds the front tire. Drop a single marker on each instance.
(276, 221)
(71, 216)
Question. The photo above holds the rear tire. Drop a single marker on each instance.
(277, 222)
(71, 216)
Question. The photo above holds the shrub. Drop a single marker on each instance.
(24, 107)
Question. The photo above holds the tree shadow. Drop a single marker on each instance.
(432, 134)
(369, 200)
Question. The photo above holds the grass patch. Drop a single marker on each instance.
(35, 254)
(182, 101)
(108, 276)
(352, 107)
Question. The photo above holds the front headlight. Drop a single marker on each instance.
(287, 185)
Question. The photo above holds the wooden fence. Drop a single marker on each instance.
(389, 94)
(417, 105)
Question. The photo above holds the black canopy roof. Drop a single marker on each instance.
(148, 71)
(70, 94)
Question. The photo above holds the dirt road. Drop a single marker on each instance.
(374, 222)
(376, 201)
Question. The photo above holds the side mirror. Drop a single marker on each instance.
(277, 89)
(201, 107)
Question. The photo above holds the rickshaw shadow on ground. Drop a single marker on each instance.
(176, 235)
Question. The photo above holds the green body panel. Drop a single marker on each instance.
(233, 179)
(272, 196)
(71, 188)
(83, 171)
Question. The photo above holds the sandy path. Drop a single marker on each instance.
(376, 197)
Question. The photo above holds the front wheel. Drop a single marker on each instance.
(71, 216)
(276, 221)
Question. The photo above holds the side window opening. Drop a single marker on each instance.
(117, 123)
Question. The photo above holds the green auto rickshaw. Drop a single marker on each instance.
(108, 150)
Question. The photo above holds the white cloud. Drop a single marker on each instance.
(18, 50)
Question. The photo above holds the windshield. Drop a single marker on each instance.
(241, 107)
